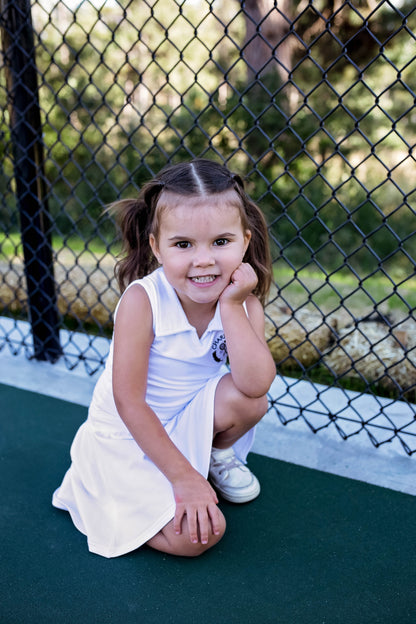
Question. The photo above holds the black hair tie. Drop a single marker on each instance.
(238, 180)
(154, 190)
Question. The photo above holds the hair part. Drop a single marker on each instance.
(198, 180)
(138, 218)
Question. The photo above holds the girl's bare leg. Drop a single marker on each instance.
(234, 413)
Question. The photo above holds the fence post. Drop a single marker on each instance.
(26, 135)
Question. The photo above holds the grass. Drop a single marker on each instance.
(394, 294)
(319, 373)
(11, 246)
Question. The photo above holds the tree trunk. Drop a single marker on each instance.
(267, 42)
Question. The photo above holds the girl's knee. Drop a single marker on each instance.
(262, 405)
(195, 550)
(180, 545)
(232, 407)
(253, 408)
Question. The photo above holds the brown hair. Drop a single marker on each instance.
(138, 218)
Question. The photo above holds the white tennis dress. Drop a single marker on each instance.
(115, 494)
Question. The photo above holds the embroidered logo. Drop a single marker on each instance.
(219, 349)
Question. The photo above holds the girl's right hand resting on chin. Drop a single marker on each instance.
(196, 504)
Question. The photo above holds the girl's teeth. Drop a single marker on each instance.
(204, 279)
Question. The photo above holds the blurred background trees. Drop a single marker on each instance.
(312, 102)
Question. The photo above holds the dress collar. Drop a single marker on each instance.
(174, 320)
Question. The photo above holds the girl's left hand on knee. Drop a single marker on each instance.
(196, 505)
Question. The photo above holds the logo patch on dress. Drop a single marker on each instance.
(219, 349)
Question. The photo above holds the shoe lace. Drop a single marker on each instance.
(228, 464)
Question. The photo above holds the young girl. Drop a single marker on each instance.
(166, 414)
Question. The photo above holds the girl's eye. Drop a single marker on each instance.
(183, 244)
(221, 241)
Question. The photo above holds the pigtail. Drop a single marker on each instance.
(136, 258)
(135, 220)
(258, 252)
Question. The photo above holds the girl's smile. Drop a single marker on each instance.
(203, 279)
(200, 244)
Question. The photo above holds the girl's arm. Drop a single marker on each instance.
(251, 363)
(133, 336)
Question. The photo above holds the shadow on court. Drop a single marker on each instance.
(312, 549)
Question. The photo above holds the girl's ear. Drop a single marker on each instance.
(247, 239)
(154, 247)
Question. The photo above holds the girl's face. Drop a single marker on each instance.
(200, 243)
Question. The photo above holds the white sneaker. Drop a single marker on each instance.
(231, 478)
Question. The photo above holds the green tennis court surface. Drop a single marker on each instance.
(312, 549)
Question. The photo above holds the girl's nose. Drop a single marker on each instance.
(203, 258)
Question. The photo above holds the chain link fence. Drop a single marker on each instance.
(312, 102)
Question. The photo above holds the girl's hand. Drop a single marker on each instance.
(243, 282)
(196, 502)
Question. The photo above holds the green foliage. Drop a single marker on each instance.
(128, 89)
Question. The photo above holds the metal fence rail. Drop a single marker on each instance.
(312, 102)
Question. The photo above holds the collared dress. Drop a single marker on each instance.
(114, 493)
